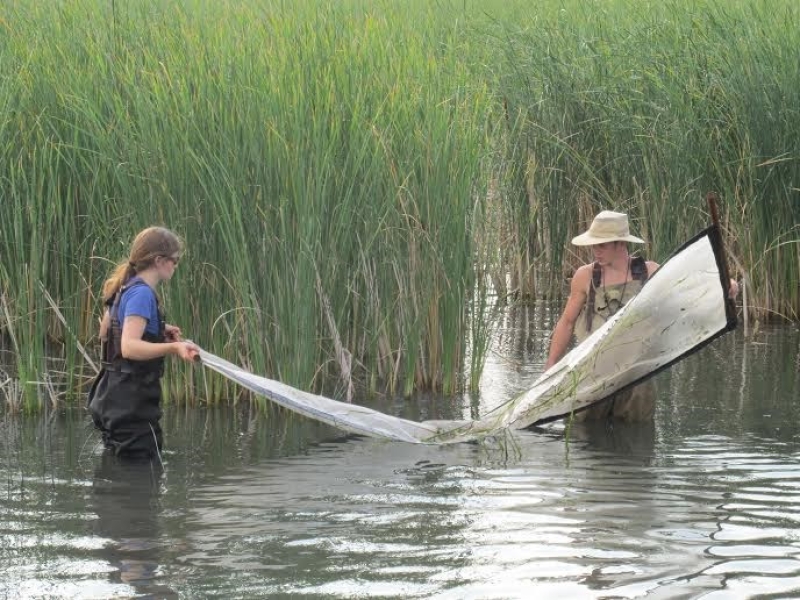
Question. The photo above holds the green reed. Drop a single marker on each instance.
(288, 145)
(355, 181)
(644, 107)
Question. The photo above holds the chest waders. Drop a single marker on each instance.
(125, 398)
(638, 273)
(634, 404)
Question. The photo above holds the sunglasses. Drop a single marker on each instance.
(173, 259)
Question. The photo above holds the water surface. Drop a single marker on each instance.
(260, 504)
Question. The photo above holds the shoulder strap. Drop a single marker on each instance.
(112, 350)
(130, 284)
(639, 269)
(596, 276)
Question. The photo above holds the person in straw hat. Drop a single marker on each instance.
(125, 398)
(598, 290)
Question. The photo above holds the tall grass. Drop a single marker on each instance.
(349, 177)
(643, 107)
(285, 142)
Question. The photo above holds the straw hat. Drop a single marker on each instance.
(608, 226)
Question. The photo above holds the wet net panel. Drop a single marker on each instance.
(683, 307)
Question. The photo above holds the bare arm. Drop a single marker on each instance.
(135, 348)
(562, 333)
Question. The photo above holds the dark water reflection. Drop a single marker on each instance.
(701, 504)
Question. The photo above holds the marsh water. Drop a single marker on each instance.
(253, 503)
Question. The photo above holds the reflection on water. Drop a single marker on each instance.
(125, 500)
(700, 504)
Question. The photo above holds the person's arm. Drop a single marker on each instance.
(562, 333)
(135, 348)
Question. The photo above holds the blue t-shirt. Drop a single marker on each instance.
(140, 301)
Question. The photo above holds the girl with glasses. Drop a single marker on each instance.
(125, 398)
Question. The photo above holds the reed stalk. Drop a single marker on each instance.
(643, 108)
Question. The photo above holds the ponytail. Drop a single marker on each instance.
(119, 277)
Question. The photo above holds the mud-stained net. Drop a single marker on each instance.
(682, 307)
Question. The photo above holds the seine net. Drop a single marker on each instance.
(682, 307)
